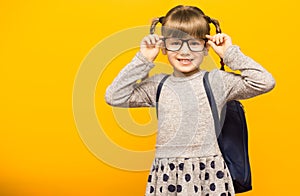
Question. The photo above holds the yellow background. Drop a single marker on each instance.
(42, 44)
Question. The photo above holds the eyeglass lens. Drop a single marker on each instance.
(175, 44)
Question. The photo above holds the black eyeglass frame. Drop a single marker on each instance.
(184, 41)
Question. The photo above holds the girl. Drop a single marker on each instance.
(188, 160)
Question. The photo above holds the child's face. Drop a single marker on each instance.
(185, 61)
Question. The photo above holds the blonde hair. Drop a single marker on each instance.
(182, 20)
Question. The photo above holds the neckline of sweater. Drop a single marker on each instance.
(187, 78)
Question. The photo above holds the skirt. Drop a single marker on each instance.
(205, 176)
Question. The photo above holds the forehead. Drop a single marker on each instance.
(172, 32)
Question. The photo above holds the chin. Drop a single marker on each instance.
(188, 72)
(187, 69)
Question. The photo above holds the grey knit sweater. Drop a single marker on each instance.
(185, 125)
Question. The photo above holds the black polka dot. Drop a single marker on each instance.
(202, 166)
(220, 174)
(179, 188)
(172, 166)
(200, 176)
(181, 165)
(212, 164)
(156, 169)
(151, 189)
(171, 188)
(153, 168)
(212, 187)
(226, 186)
(186, 158)
(206, 176)
(162, 168)
(193, 167)
(207, 194)
(187, 177)
(165, 177)
(201, 188)
(176, 175)
(149, 178)
(195, 188)
(223, 194)
(160, 189)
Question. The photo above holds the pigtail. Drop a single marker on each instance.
(154, 23)
(218, 30)
(214, 22)
(217, 25)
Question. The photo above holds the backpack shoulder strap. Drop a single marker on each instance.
(212, 103)
(161, 83)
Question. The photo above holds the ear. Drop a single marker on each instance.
(164, 51)
(207, 47)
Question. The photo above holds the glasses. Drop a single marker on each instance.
(175, 44)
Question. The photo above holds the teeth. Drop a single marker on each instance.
(185, 61)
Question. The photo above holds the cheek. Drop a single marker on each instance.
(199, 59)
(171, 56)
(199, 56)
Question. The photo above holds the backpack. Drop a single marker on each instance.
(232, 138)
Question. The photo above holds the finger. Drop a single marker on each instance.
(227, 38)
(218, 38)
(221, 39)
(152, 39)
(209, 37)
(224, 37)
(158, 44)
(146, 40)
(212, 44)
(156, 37)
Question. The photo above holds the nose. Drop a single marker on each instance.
(184, 49)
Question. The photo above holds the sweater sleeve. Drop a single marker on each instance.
(253, 79)
(125, 91)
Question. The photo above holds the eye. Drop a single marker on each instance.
(194, 43)
(175, 43)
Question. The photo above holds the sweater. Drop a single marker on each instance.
(185, 122)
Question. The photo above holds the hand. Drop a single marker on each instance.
(219, 42)
(150, 46)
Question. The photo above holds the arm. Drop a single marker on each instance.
(252, 81)
(125, 91)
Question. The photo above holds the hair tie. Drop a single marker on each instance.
(208, 19)
(160, 20)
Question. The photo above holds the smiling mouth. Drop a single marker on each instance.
(185, 61)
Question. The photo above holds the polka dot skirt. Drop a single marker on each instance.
(207, 176)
